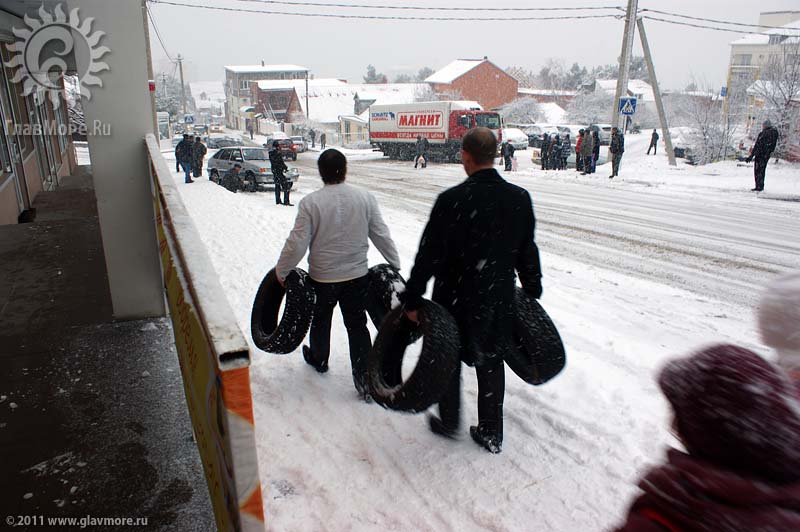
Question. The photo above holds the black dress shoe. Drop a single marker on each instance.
(438, 427)
(321, 367)
(289, 204)
(491, 442)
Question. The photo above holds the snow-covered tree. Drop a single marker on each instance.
(711, 135)
(168, 95)
(526, 78)
(779, 89)
(374, 77)
(424, 73)
(522, 111)
(638, 70)
(590, 108)
(425, 93)
(403, 78)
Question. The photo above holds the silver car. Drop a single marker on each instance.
(254, 161)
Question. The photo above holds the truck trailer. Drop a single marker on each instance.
(394, 129)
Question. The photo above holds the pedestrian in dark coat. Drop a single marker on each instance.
(738, 417)
(578, 155)
(587, 148)
(323, 140)
(507, 152)
(232, 180)
(421, 151)
(279, 168)
(184, 155)
(479, 233)
(543, 149)
(617, 148)
(555, 155)
(199, 151)
(595, 150)
(653, 143)
(566, 151)
(312, 135)
(762, 150)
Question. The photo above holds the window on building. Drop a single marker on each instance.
(244, 84)
(17, 106)
(743, 59)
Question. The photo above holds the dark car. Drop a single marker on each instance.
(287, 147)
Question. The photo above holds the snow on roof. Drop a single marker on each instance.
(453, 71)
(763, 38)
(553, 112)
(298, 84)
(328, 102)
(255, 69)
(214, 92)
(641, 89)
(546, 92)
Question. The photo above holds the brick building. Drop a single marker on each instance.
(475, 79)
(279, 104)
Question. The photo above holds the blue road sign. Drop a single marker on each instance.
(188, 119)
(723, 91)
(627, 106)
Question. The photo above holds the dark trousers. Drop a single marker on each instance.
(509, 163)
(587, 164)
(322, 143)
(424, 160)
(615, 160)
(491, 391)
(281, 184)
(760, 171)
(654, 147)
(351, 297)
(578, 163)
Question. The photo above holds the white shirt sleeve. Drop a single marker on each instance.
(297, 244)
(379, 234)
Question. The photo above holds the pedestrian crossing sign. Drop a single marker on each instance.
(627, 106)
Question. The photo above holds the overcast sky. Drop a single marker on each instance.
(209, 40)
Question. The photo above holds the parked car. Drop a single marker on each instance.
(286, 146)
(516, 137)
(255, 165)
(215, 143)
(216, 128)
(300, 144)
(603, 131)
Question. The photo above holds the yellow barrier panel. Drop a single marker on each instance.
(214, 361)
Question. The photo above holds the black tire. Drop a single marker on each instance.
(385, 286)
(538, 354)
(286, 336)
(437, 361)
(213, 175)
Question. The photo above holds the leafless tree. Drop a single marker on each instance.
(779, 90)
(709, 134)
(589, 108)
(522, 111)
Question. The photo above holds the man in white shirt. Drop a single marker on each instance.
(335, 224)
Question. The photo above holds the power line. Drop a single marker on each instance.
(158, 34)
(429, 8)
(381, 17)
(727, 22)
(679, 23)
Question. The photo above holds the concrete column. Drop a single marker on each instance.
(119, 159)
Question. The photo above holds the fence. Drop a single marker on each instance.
(214, 359)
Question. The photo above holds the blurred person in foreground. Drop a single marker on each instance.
(479, 234)
(738, 416)
(779, 321)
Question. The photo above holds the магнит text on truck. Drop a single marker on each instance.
(393, 129)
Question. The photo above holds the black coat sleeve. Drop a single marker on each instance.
(432, 250)
(529, 267)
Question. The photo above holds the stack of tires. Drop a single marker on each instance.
(536, 354)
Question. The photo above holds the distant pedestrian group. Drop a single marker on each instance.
(555, 151)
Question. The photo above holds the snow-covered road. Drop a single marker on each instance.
(636, 271)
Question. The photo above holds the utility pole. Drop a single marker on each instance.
(150, 72)
(307, 113)
(183, 87)
(625, 59)
(662, 116)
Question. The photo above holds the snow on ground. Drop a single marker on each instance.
(574, 447)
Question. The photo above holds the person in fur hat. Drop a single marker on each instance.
(738, 417)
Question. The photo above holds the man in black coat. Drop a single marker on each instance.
(421, 150)
(617, 148)
(478, 234)
(279, 168)
(765, 145)
(507, 152)
(653, 143)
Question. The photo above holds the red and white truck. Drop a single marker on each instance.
(393, 129)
